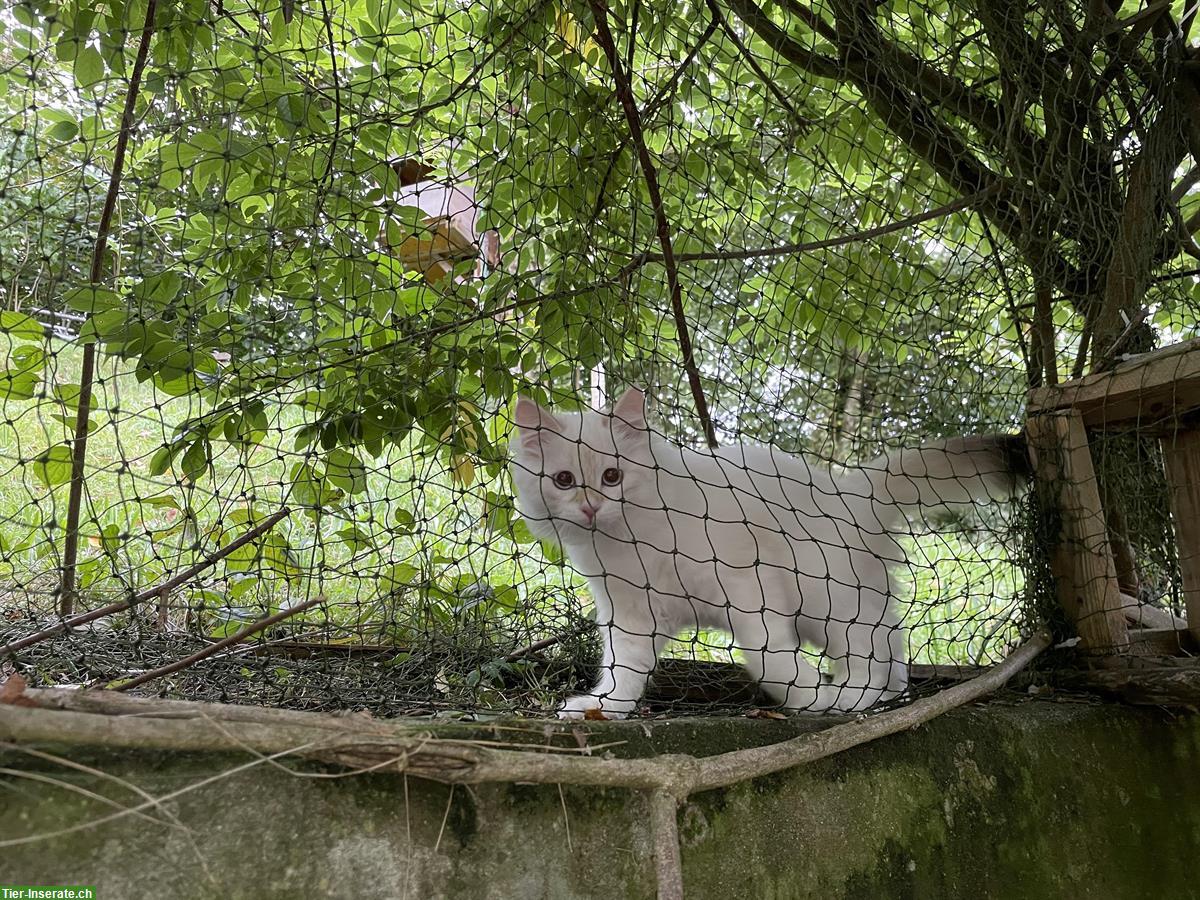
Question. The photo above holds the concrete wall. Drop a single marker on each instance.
(1009, 801)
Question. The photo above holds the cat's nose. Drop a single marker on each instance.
(589, 512)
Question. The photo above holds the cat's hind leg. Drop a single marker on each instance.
(866, 653)
(771, 650)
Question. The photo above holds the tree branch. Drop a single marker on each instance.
(656, 102)
(1132, 260)
(108, 719)
(902, 91)
(755, 66)
(918, 75)
(251, 629)
(784, 45)
(663, 94)
(1185, 184)
(813, 20)
(158, 590)
(810, 246)
(649, 173)
(664, 827)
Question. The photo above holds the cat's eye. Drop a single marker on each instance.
(611, 477)
(564, 479)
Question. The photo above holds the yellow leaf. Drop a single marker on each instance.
(567, 29)
(464, 470)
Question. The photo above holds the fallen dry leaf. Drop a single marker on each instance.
(594, 715)
(765, 714)
(12, 691)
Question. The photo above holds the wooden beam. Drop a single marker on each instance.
(1162, 642)
(1146, 615)
(1154, 389)
(1181, 457)
(1169, 683)
(1085, 575)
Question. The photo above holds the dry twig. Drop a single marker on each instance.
(159, 590)
(213, 649)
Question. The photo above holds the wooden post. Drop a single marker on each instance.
(1084, 572)
(1181, 455)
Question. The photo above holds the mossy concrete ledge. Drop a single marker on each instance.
(1033, 800)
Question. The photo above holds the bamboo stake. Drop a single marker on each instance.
(66, 596)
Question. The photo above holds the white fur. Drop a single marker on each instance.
(748, 540)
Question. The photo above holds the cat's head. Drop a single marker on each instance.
(576, 473)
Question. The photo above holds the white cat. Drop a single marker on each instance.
(748, 540)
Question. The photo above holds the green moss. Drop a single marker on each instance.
(1027, 801)
(1033, 801)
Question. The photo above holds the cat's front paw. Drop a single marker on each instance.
(584, 706)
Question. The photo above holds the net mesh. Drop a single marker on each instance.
(345, 236)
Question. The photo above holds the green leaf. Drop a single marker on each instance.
(28, 358)
(278, 555)
(89, 67)
(223, 630)
(67, 395)
(400, 575)
(53, 467)
(161, 461)
(239, 587)
(346, 471)
(521, 534)
(404, 222)
(110, 537)
(356, 538)
(311, 490)
(162, 501)
(196, 459)
(243, 558)
(405, 522)
(91, 299)
(20, 325)
(63, 131)
(17, 385)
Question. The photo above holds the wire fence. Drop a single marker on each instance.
(304, 257)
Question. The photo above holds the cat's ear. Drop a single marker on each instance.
(629, 413)
(531, 421)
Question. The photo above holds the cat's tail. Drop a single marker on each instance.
(957, 472)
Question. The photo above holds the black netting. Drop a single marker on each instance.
(306, 258)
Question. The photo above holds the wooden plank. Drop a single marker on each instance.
(1181, 456)
(1145, 615)
(1152, 389)
(1162, 642)
(1085, 575)
(1170, 683)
